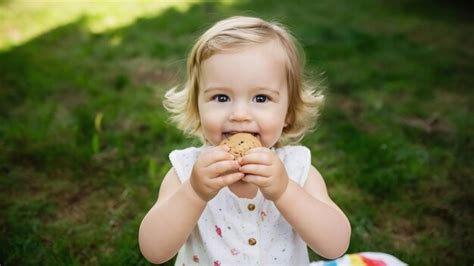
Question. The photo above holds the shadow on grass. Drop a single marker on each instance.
(85, 141)
(61, 167)
(458, 10)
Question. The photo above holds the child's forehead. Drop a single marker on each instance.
(266, 56)
(247, 70)
(272, 50)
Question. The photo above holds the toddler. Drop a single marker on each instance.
(244, 75)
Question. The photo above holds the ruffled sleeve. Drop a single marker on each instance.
(297, 160)
(183, 161)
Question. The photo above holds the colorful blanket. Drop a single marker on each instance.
(363, 259)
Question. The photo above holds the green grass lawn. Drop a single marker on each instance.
(84, 138)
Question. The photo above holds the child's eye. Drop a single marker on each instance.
(261, 98)
(221, 98)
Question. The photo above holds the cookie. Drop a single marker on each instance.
(240, 143)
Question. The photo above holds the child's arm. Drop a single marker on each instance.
(316, 218)
(309, 210)
(171, 220)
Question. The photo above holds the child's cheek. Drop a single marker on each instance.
(270, 134)
(211, 124)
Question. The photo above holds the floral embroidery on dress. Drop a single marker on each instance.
(234, 251)
(218, 231)
(263, 215)
(217, 263)
(196, 258)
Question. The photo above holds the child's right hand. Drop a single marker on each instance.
(214, 169)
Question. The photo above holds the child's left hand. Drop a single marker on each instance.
(264, 168)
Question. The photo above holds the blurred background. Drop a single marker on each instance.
(84, 138)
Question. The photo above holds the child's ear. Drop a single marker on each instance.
(287, 121)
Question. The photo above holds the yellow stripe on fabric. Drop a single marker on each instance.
(356, 260)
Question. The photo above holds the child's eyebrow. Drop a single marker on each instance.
(268, 90)
(208, 89)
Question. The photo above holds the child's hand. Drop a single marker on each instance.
(214, 169)
(263, 168)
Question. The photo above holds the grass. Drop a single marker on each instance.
(84, 138)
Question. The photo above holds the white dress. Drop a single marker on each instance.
(241, 231)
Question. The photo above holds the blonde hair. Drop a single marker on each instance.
(230, 34)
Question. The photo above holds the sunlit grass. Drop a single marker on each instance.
(21, 21)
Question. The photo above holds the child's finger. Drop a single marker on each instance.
(210, 149)
(257, 158)
(256, 169)
(229, 179)
(258, 150)
(221, 167)
(254, 179)
(215, 155)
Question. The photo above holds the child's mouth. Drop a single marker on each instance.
(227, 135)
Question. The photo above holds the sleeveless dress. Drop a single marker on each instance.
(241, 231)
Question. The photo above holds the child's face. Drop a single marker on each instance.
(244, 91)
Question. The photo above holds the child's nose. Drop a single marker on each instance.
(240, 112)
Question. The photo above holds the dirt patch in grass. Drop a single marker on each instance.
(353, 109)
(145, 71)
(403, 231)
(74, 203)
(71, 97)
(429, 125)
